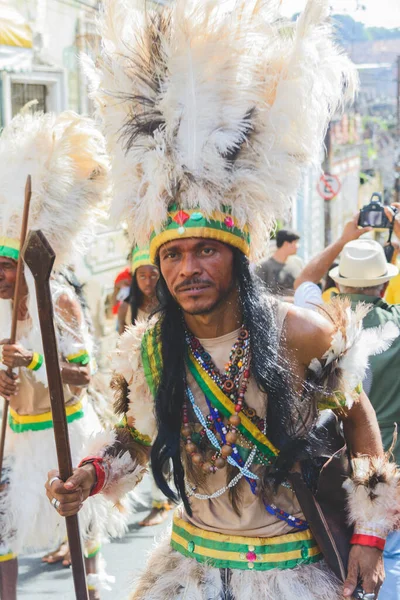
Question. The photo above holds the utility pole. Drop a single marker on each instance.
(397, 166)
(398, 96)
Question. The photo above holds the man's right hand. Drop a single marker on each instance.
(73, 492)
(352, 232)
(8, 384)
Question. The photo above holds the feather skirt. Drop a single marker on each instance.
(27, 519)
(171, 576)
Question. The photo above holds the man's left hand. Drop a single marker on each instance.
(365, 565)
(15, 355)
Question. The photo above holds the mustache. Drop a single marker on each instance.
(191, 281)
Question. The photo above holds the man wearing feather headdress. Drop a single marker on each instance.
(219, 111)
(67, 160)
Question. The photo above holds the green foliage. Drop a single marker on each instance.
(349, 30)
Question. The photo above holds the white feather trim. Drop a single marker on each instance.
(28, 521)
(126, 360)
(179, 93)
(352, 345)
(124, 473)
(100, 580)
(374, 493)
(368, 342)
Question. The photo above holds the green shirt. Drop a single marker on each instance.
(382, 383)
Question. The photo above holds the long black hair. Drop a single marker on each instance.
(288, 427)
(135, 298)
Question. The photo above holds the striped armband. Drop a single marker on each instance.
(36, 362)
(340, 400)
(140, 438)
(81, 358)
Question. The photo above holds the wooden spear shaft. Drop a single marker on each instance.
(39, 256)
(17, 298)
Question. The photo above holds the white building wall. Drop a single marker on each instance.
(308, 217)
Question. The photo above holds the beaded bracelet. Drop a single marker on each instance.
(36, 362)
(97, 463)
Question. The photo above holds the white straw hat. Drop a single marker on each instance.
(363, 264)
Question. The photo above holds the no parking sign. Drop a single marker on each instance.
(328, 186)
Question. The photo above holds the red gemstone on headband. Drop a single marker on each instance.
(181, 217)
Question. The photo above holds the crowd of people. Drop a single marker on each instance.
(263, 401)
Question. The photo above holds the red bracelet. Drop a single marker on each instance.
(368, 540)
(97, 463)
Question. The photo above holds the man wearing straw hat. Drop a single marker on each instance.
(363, 276)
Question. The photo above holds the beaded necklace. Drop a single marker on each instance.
(237, 374)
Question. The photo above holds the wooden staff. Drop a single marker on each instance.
(39, 256)
(17, 298)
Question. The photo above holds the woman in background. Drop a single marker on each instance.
(142, 301)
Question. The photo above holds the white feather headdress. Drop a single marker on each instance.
(214, 108)
(65, 155)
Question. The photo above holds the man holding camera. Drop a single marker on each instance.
(363, 275)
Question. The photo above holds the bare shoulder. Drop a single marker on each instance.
(68, 308)
(308, 334)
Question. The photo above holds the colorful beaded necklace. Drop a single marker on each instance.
(234, 384)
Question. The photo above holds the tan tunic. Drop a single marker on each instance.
(217, 514)
(33, 397)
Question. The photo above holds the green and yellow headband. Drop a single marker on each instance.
(9, 247)
(140, 258)
(189, 223)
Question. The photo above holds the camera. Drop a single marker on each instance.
(373, 214)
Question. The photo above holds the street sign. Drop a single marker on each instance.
(328, 186)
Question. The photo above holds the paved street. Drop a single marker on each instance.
(124, 558)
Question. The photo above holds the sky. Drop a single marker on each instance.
(377, 13)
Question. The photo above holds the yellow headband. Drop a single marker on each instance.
(9, 247)
(189, 223)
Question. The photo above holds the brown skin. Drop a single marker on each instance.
(146, 277)
(199, 275)
(287, 249)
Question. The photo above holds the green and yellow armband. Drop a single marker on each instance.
(81, 358)
(36, 362)
(140, 438)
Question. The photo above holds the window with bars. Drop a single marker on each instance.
(21, 93)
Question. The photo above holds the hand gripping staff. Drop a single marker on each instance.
(39, 256)
(17, 297)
